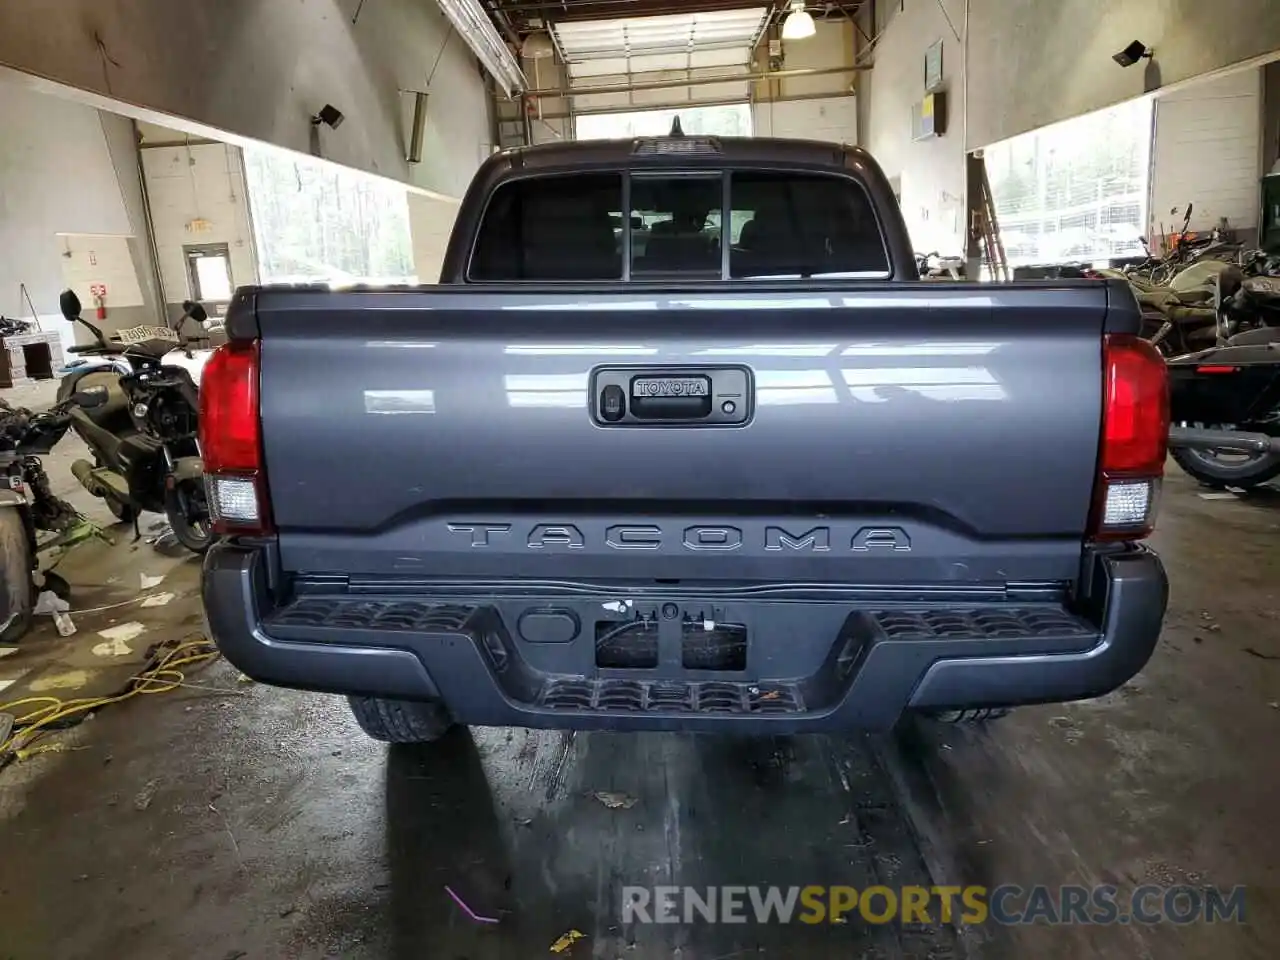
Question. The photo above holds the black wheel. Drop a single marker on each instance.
(17, 592)
(123, 512)
(1227, 468)
(400, 721)
(972, 715)
(188, 515)
(57, 585)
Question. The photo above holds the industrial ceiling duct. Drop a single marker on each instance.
(477, 30)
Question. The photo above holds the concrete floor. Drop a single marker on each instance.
(250, 822)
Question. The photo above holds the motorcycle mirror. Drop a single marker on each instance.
(195, 311)
(69, 304)
(90, 397)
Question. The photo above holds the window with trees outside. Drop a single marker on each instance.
(318, 222)
(1075, 191)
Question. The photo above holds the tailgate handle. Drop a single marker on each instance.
(672, 396)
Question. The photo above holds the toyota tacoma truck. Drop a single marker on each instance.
(681, 442)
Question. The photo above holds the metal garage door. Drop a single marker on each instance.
(1207, 152)
(617, 53)
(826, 118)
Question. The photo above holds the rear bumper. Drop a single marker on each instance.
(880, 658)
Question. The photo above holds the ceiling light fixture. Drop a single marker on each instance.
(472, 22)
(799, 24)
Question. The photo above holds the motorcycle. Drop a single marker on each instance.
(1225, 400)
(144, 438)
(934, 266)
(27, 503)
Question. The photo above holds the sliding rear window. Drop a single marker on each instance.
(679, 225)
(551, 228)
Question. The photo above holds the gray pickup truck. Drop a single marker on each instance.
(681, 442)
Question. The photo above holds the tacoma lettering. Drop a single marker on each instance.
(555, 535)
(712, 538)
(702, 539)
(633, 538)
(776, 538)
(479, 531)
(881, 538)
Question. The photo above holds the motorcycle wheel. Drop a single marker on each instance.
(188, 515)
(17, 595)
(123, 512)
(1227, 468)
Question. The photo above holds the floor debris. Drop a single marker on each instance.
(567, 940)
(148, 581)
(157, 599)
(124, 631)
(146, 795)
(615, 801)
(49, 604)
(468, 911)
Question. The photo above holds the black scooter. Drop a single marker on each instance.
(144, 438)
(1225, 401)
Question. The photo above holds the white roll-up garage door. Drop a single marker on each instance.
(615, 54)
(1207, 152)
(825, 118)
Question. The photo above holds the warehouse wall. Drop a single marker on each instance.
(56, 177)
(1035, 62)
(261, 68)
(89, 260)
(1271, 117)
(122, 144)
(930, 173)
(1207, 152)
(198, 196)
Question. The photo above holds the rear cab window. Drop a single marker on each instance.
(662, 224)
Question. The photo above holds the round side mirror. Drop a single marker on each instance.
(69, 304)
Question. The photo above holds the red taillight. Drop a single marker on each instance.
(231, 440)
(1135, 411)
(1135, 438)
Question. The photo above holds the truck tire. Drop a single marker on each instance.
(17, 593)
(1204, 466)
(400, 721)
(973, 715)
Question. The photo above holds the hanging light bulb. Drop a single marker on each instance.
(798, 24)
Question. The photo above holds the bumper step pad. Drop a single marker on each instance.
(639, 696)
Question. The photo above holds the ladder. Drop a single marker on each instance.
(986, 226)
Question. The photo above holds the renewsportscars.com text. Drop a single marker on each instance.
(1005, 904)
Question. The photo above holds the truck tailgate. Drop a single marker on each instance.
(906, 434)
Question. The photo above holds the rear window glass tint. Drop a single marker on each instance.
(787, 224)
(679, 226)
(552, 228)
